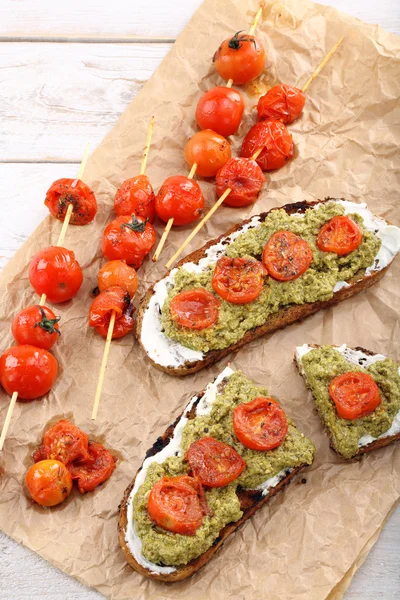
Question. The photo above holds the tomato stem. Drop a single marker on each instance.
(135, 224)
(236, 41)
(46, 324)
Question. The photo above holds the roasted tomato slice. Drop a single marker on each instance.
(49, 482)
(355, 395)
(28, 370)
(240, 58)
(282, 103)
(286, 256)
(340, 235)
(209, 150)
(117, 272)
(64, 192)
(136, 196)
(244, 177)
(176, 504)
(55, 272)
(238, 280)
(195, 309)
(65, 442)
(260, 424)
(36, 325)
(214, 463)
(112, 299)
(93, 471)
(181, 199)
(128, 238)
(221, 110)
(276, 141)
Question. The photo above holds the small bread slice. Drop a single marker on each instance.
(362, 358)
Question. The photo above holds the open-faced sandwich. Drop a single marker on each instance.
(223, 458)
(262, 275)
(357, 394)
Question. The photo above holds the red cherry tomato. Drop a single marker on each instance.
(37, 326)
(117, 272)
(112, 299)
(282, 103)
(94, 470)
(49, 482)
(128, 238)
(244, 177)
(355, 395)
(28, 370)
(64, 192)
(286, 256)
(340, 235)
(214, 463)
(221, 110)
(260, 424)
(195, 309)
(240, 58)
(181, 199)
(238, 280)
(136, 196)
(209, 150)
(276, 141)
(55, 272)
(65, 442)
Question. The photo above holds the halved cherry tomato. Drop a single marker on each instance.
(240, 58)
(181, 199)
(238, 280)
(128, 238)
(214, 463)
(244, 177)
(64, 192)
(36, 325)
(49, 482)
(136, 195)
(286, 256)
(117, 272)
(94, 470)
(209, 150)
(276, 141)
(195, 309)
(55, 272)
(260, 424)
(340, 235)
(221, 110)
(175, 504)
(28, 370)
(65, 442)
(282, 103)
(112, 299)
(355, 395)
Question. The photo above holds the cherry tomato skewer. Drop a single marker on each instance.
(250, 32)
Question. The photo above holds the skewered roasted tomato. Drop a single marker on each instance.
(221, 110)
(282, 103)
(195, 309)
(65, 442)
(128, 238)
(64, 192)
(240, 58)
(286, 256)
(28, 370)
(117, 272)
(49, 482)
(112, 299)
(355, 395)
(238, 280)
(260, 424)
(340, 235)
(244, 177)
(181, 199)
(94, 470)
(37, 326)
(136, 195)
(276, 141)
(214, 463)
(209, 150)
(55, 272)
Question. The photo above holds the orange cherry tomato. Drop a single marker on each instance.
(355, 395)
(240, 58)
(340, 235)
(64, 192)
(49, 482)
(260, 424)
(117, 272)
(244, 177)
(195, 309)
(221, 110)
(214, 463)
(209, 150)
(65, 442)
(112, 299)
(175, 504)
(128, 238)
(94, 470)
(238, 280)
(55, 272)
(136, 196)
(37, 326)
(28, 370)
(282, 103)
(286, 256)
(276, 141)
(181, 199)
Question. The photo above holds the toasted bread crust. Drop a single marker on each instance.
(280, 320)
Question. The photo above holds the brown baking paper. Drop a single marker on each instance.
(307, 543)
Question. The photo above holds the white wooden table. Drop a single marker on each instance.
(68, 70)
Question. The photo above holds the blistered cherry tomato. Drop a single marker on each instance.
(209, 150)
(65, 442)
(64, 192)
(221, 110)
(94, 470)
(128, 238)
(260, 424)
(117, 272)
(49, 482)
(275, 140)
(244, 177)
(112, 299)
(28, 370)
(181, 199)
(55, 272)
(37, 326)
(136, 196)
(238, 280)
(340, 235)
(355, 395)
(282, 103)
(195, 309)
(240, 58)
(286, 256)
(214, 463)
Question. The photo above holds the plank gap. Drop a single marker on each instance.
(76, 39)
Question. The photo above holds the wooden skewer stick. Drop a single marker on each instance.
(10, 410)
(322, 64)
(251, 31)
(147, 147)
(103, 366)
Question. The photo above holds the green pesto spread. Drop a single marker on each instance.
(160, 546)
(316, 284)
(320, 366)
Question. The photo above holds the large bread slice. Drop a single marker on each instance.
(281, 319)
